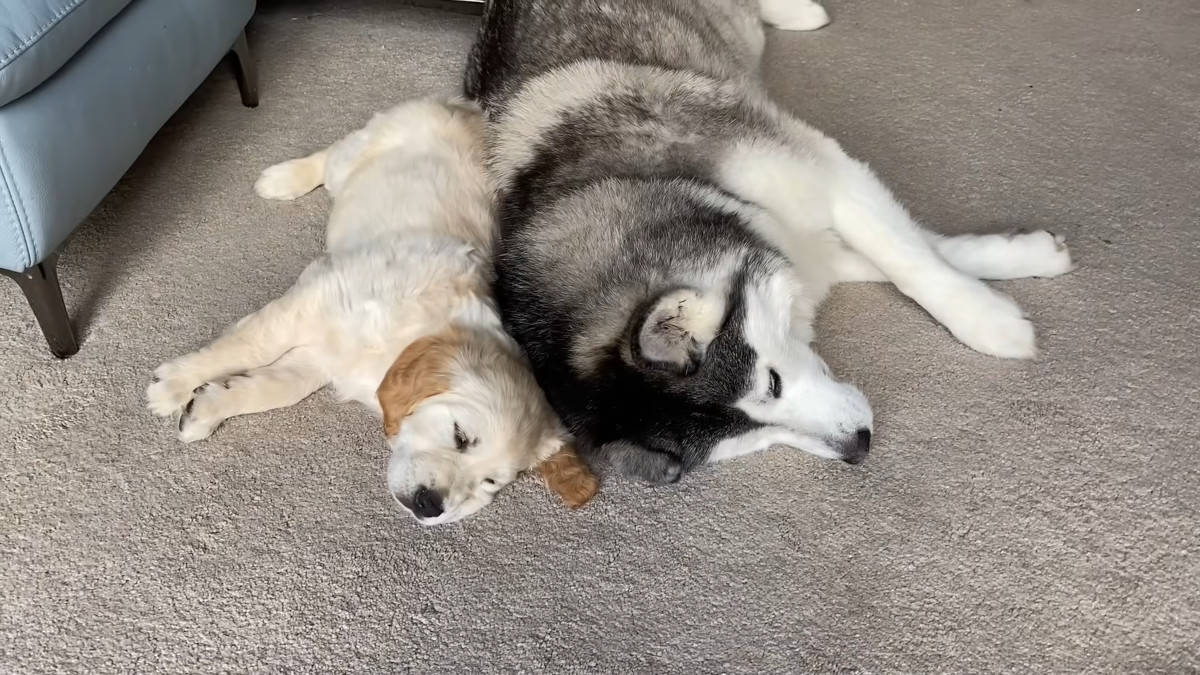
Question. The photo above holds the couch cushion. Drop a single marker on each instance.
(38, 36)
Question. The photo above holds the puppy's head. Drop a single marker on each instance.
(463, 417)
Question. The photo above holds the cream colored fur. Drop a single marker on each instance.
(408, 244)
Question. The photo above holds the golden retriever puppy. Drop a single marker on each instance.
(397, 315)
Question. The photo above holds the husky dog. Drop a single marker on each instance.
(667, 233)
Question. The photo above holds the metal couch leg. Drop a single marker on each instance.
(40, 284)
(246, 71)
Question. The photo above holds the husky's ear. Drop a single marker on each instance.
(422, 370)
(675, 329)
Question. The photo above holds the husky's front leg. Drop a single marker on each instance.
(1014, 255)
(812, 184)
(872, 222)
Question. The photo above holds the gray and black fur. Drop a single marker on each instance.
(617, 204)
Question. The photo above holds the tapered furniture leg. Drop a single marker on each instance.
(40, 285)
(246, 71)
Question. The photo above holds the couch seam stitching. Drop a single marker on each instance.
(12, 204)
(37, 35)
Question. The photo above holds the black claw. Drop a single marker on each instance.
(154, 379)
(187, 409)
(199, 389)
(183, 418)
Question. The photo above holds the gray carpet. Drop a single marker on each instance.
(1014, 516)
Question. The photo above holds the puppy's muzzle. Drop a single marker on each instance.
(424, 503)
(856, 448)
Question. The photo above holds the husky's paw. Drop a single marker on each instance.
(288, 180)
(793, 14)
(202, 414)
(1040, 254)
(991, 323)
(171, 389)
(660, 469)
(652, 466)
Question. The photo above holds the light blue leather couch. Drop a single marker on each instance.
(84, 85)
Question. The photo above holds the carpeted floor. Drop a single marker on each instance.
(1014, 516)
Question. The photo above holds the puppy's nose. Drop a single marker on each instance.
(426, 503)
(856, 448)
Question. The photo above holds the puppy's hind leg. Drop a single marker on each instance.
(793, 14)
(291, 379)
(293, 178)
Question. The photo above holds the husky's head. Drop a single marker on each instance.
(710, 373)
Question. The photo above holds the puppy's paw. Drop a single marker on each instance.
(288, 180)
(1040, 254)
(201, 415)
(794, 14)
(991, 323)
(170, 390)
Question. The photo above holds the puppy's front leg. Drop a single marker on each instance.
(256, 340)
(289, 380)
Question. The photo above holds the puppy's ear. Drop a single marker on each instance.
(422, 370)
(674, 330)
(568, 476)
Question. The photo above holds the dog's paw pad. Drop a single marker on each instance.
(201, 415)
(1039, 253)
(1048, 255)
(168, 392)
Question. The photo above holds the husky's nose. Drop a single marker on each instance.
(856, 448)
(426, 503)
